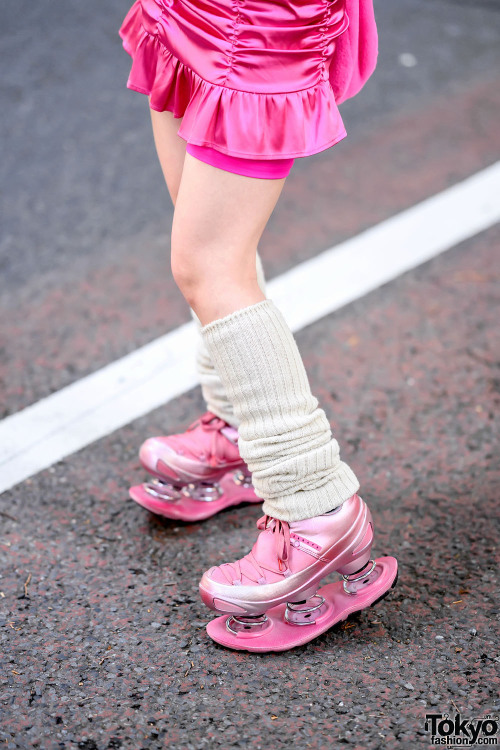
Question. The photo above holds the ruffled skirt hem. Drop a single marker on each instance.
(237, 123)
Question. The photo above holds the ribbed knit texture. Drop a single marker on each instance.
(214, 392)
(284, 437)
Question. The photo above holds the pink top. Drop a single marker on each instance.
(249, 78)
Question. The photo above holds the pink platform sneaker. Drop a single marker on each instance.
(271, 595)
(196, 473)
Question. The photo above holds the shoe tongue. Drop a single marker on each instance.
(264, 551)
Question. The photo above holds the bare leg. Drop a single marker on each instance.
(170, 147)
(171, 151)
(218, 221)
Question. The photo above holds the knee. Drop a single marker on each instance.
(204, 268)
(186, 268)
(182, 273)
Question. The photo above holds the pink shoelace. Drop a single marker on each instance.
(281, 531)
(210, 422)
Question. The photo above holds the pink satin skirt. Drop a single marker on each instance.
(250, 78)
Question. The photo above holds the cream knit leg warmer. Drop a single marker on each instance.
(212, 388)
(284, 437)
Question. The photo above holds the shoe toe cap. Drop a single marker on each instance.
(152, 450)
(214, 576)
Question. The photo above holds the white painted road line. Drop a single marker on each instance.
(110, 398)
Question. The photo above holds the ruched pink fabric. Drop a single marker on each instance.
(252, 78)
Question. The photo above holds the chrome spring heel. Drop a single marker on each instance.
(242, 479)
(305, 612)
(205, 492)
(368, 574)
(246, 623)
(162, 490)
